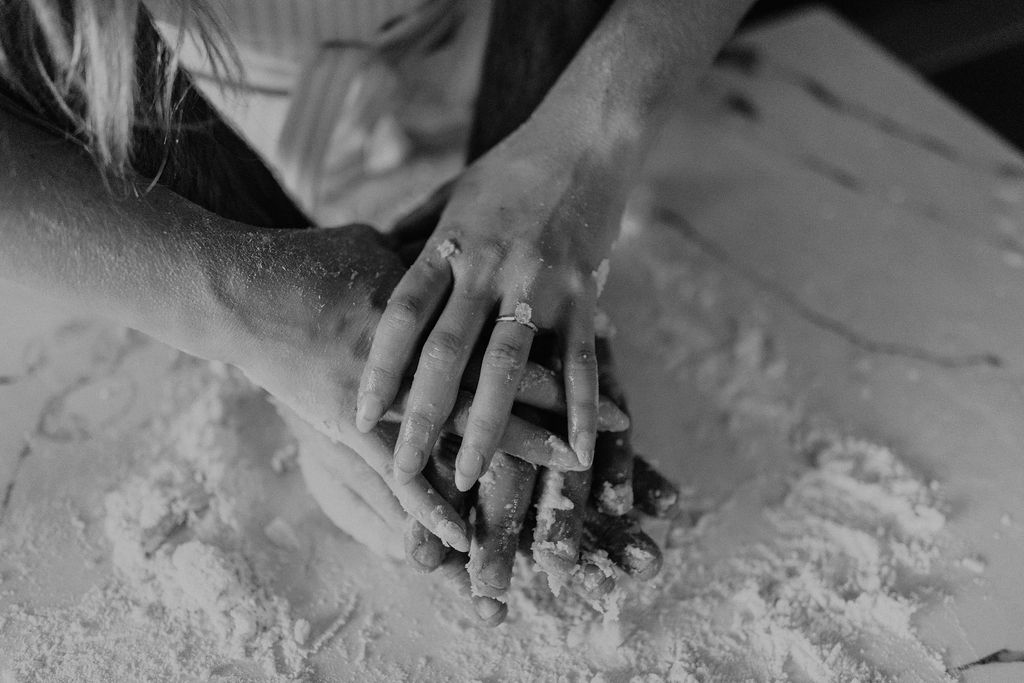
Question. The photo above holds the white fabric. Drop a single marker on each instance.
(331, 90)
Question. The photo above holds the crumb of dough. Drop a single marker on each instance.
(552, 498)
(448, 248)
(604, 328)
(556, 444)
(600, 275)
(616, 499)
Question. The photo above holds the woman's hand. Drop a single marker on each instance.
(301, 306)
(523, 237)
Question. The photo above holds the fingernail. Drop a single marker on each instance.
(408, 463)
(369, 408)
(610, 418)
(453, 535)
(596, 581)
(428, 555)
(583, 446)
(562, 457)
(489, 611)
(496, 575)
(467, 470)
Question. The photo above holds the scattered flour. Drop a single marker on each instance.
(820, 586)
(810, 571)
(173, 534)
(816, 581)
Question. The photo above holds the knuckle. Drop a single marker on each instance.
(485, 430)
(505, 356)
(493, 251)
(582, 359)
(443, 349)
(419, 426)
(404, 311)
(379, 377)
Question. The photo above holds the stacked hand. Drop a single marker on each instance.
(575, 531)
(305, 347)
(509, 272)
(566, 520)
(305, 304)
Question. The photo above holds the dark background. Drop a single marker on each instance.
(973, 50)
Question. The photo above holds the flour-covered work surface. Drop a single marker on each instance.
(816, 299)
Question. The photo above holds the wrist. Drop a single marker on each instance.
(201, 271)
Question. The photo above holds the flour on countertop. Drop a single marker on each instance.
(818, 579)
(172, 533)
(813, 570)
(820, 585)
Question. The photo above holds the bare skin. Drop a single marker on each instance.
(529, 223)
(293, 309)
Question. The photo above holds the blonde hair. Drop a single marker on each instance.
(90, 60)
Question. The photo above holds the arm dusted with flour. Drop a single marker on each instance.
(145, 262)
(292, 308)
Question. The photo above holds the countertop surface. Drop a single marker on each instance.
(830, 208)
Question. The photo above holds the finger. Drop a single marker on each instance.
(595, 576)
(521, 439)
(559, 523)
(653, 494)
(417, 497)
(406, 316)
(436, 383)
(613, 464)
(503, 365)
(435, 513)
(339, 464)
(627, 545)
(502, 501)
(580, 370)
(423, 550)
(542, 385)
(612, 489)
(346, 509)
(440, 471)
(487, 611)
(543, 388)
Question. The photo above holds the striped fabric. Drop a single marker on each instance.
(292, 28)
(321, 84)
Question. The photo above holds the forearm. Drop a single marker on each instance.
(146, 262)
(618, 88)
